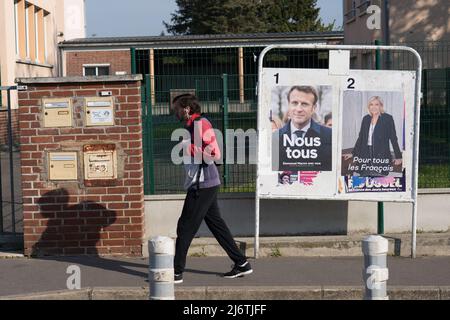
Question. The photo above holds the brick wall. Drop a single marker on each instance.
(119, 61)
(4, 127)
(69, 218)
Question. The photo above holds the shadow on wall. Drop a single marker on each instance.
(79, 229)
(71, 229)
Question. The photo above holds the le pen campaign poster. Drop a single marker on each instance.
(373, 141)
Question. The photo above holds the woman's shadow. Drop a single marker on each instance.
(74, 232)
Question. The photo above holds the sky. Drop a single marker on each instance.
(120, 18)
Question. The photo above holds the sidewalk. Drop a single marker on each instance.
(428, 244)
(273, 278)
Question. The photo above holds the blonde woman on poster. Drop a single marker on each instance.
(372, 151)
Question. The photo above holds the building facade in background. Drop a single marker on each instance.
(30, 31)
(111, 55)
(410, 22)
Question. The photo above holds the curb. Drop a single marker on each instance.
(11, 255)
(243, 293)
(435, 244)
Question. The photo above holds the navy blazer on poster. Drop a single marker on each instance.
(324, 151)
(384, 132)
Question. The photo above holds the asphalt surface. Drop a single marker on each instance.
(23, 276)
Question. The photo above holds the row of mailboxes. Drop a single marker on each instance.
(100, 163)
(58, 112)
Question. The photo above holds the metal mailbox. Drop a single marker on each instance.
(57, 112)
(63, 166)
(100, 162)
(99, 111)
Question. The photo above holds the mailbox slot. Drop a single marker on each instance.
(63, 166)
(99, 111)
(57, 112)
(100, 162)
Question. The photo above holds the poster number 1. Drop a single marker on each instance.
(277, 78)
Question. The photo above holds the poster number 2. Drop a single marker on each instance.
(351, 83)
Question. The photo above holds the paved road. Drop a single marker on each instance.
(19, 276)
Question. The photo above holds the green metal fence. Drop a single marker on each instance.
(434, 159)
(229, 101)
(216, 93)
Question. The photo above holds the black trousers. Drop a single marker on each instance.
(197, 207)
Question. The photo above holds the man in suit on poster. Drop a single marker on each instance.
(302, 144)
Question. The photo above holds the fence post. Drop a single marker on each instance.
(447, 93)
(133, 60)
(161, 275)
(1, 175)
(150, 161)
(11, 162)
(380, 205)
(144, 100)
(225, 127)
(375, 273)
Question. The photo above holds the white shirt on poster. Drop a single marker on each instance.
(294, 129)
(371, 129)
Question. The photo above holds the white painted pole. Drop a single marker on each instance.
(161, 274)
(375, 273)
(257, 227)
(414, 231)
(415, 172)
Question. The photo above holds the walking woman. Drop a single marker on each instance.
(202, 186)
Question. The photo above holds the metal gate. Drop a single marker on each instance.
(11, 217)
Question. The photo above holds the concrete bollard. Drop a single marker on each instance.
(375, 273)
(161, 275)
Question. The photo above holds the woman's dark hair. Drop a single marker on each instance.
(187, 100)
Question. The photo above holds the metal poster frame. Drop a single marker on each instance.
(416, 128)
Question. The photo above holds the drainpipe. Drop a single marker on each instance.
(60, 62)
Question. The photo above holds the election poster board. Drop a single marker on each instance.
(336, 136)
